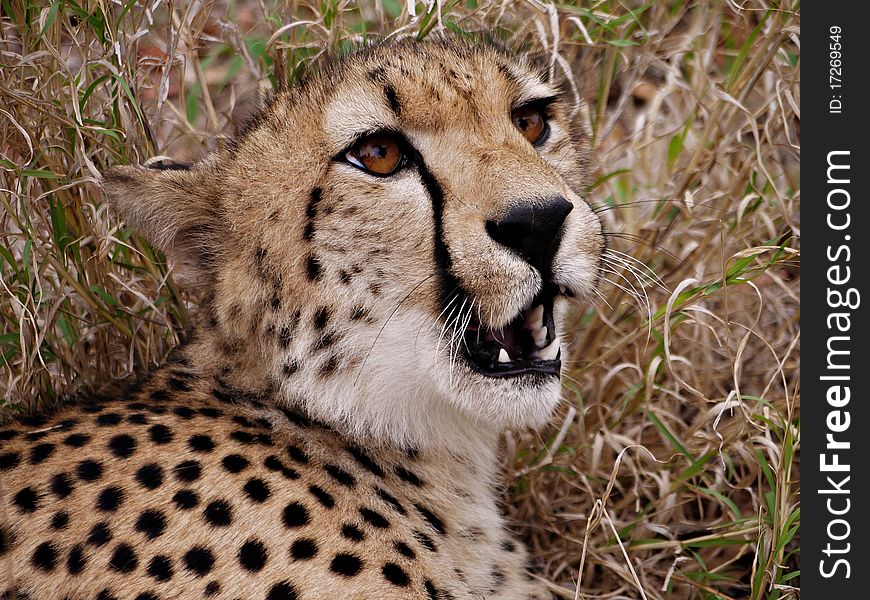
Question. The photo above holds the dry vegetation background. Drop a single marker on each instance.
(672, 470)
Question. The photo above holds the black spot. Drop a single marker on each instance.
(89, 470)
(498, 577)
(106, 595)
(201, 443)
(273, 463)
(147, 596)
(303, 549)
(295, 515)
(123, 559)
(252, 555)
(321, 318)
(311, 214)
(395, 575)
(297, 454)
(235, 463)
(257, 489)
(150, 476)
(392, 99)
(408, 476)
(282, 591)
(61, 485)
(107, 419)
(431, 590)
(374, 518)
(366, 461)
(508, 546)
(160, 434)
(431, 518)
(329, 367)
(27, 500)
(312, 268)
(160, 568)
(425, 541)
(243, 421)
(188, 470)
(35, 436)
(352, 532)
(199, 560)
(92, 408)
(404, 549)
(340, 475)
(159, 395)
(122, 446)
(391, 500)
(179, 385)
(185, 499)
(152, 523)
(100, 535)
(76, 440)
(344, 277)
(40, 453)
(137, 419)
(9, 460)
(110, 498)
(243, 437)
(324, 497)
(7, 434)
(218, 513)
(33, 420)
(212, 589)
(346, 564)
(44, 557)
(77, 560)
(211, 413)
(296, 418)
(184, 412)
(60, 520)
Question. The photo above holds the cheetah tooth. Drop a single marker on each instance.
(535, 317)
(551, 351)
(503, 356)
(540, 336)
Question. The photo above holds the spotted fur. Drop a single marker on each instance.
(317, 437)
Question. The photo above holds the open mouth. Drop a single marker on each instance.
(528, 344)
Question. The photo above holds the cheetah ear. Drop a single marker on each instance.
(174, 207)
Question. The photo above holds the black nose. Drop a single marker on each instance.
(533, 230)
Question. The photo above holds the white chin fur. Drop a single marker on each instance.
(415, 398)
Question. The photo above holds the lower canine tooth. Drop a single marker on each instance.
(551, 351)
(540, 336)
(503, 356)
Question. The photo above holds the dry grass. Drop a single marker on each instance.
(672, 470)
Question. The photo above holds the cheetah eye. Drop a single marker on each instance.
(378, 153)
(531, 122)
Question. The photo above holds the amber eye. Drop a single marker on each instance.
(531, 122)
(379, 153)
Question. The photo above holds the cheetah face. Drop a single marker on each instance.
(394, 241)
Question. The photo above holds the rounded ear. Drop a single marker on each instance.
(173, 206)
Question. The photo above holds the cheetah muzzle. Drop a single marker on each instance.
(385, 255)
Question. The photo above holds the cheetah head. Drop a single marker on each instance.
(390, 244)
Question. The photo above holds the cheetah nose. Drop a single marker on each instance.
(533, 231)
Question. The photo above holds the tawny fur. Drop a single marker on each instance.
(323, 300)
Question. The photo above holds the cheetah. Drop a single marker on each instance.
(387, 251)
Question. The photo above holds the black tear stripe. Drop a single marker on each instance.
(447, 283)
(390, 93)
